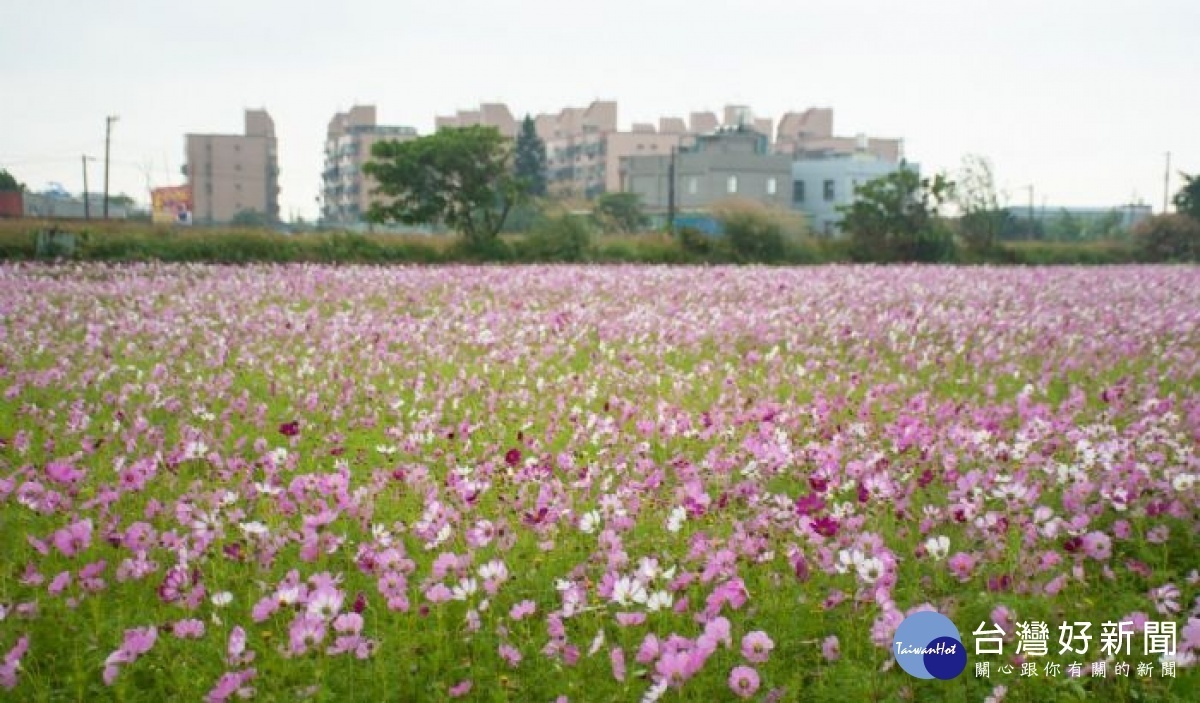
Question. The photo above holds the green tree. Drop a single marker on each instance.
(982, 217)
(1173, 237)
(249, 218)
(9, 183)
(1065, 227)
(1187, 200)
(530, 161)
(461, 177)
(896, 218)
(620, 212)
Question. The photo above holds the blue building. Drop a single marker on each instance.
(821, 185)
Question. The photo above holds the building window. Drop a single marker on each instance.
(770, 186)
(693, 185)
(731, 184)
(829, 194)
(797, 191)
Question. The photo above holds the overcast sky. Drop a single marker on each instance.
(1080, 98)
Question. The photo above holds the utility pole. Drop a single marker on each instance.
(671, 193)
(1167, 184)
(1031, 228)
(87, 209)
(108, 122)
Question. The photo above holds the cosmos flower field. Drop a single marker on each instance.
(590, 483)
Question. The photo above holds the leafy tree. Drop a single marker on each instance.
(1187, 200)
(1169, 238)
(530, 161)
(896, 218)
(249, 218)
(621, 212)
(8, 183)
(1065, 227)
(982, 217)
(462, 177)
(559, 237)
(121, 200)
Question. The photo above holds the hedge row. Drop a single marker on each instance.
(554, 241)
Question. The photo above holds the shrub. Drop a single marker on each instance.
(753, 233)
(564, 238)
(1169, 238)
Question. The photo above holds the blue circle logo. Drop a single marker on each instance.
(927, 645)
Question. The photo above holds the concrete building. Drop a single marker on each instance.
(347, 193)
(232, 173)
(727, 164)
(809, 135)
(821, 185)
(489, 115)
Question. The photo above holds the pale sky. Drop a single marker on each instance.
(1080, 98)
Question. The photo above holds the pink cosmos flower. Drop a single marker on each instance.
(961, 565)
(522, 610)
(757, 646)
(510, 654)
(74, 538)
(743, 681)
(306, 630)
(1097, 545)
(188, 629)
(460, 689)
(831, 649)
(617, 657)
(230, 684)
(235, 651)
(12, 663)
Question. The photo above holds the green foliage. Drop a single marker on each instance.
(247, 218)
(895, 218)
(982, 219)
(9, 183)
(560, 238)
(1187, 200)
(125, 241)
(530, 161)
(752, 237)
(696, 243)
(1169, 238)
(461, 177)
(620, 212)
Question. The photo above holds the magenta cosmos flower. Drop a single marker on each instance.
(743, 681)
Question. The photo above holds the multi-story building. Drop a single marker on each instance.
(347, 192)
(734, 162)
(820, 186)
(235, 173)
(809, 135)
(489, 115)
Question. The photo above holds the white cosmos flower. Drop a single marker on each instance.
(597, 642)
(465, 589)
(627, 591)
(589, 522)
(254, 529)
(222, 599)
(849, 559)
(938, 547)
(870, 569)
(494, 570)
(382, 535)
(1183, 482)
(267, 489)
(385, 449)
(659, 600)
(676, 519)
